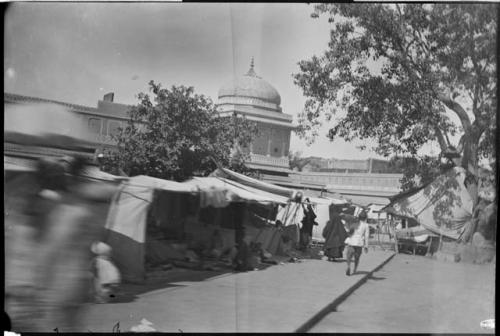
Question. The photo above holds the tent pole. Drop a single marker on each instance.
(396, 245)
(440, 238)
(290, 212)
(269, 214)
(285, 216)
(378, 231)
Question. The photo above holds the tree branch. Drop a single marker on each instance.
(458, 109)
(441, 139)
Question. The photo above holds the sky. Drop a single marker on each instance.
(77, 52)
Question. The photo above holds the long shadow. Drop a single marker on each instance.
(371, 277)
(339, 260)
(130, 292)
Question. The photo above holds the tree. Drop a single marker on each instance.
(436, 60)
(417, 170)
(297, 161)
(178, 134)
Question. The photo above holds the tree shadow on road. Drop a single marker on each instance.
(371, 277)
(176, 277)
(129, 292)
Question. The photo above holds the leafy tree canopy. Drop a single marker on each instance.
(177, 134)
(296, 161)
(434, 60)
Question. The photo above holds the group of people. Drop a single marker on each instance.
(352, 236)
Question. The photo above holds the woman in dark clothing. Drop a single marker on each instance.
(307, 225)
(334, 234)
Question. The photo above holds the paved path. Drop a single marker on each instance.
(414, 294)
(280, 298)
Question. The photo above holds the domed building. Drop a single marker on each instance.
(253, 97)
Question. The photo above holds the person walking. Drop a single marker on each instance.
(357, 240)
(334, 234)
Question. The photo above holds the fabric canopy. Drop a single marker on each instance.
(444, 206)
(126, 222)
(257, 184)
(10, 164)
(15, 164)
(151, 183)
(236, 192)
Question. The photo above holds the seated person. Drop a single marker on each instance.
(106, 275)
(216, 247)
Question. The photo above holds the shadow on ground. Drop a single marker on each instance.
(371, 277)
(162, 279)
(129, 292)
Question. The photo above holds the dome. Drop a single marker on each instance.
(251, 86)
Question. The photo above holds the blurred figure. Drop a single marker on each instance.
(56, 215)
(106, 275)
(65, 220)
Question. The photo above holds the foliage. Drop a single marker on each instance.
(178, 134)
(435, 60)
(296, 161)
(417, 170)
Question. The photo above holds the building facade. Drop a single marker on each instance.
(363, 181)
(99, 124)
(258, 101)
(360, 188)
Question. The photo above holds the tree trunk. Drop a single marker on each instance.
(470, 164)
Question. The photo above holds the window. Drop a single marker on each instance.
(95, 125)
(113, 126)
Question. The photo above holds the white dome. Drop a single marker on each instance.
(250, 86)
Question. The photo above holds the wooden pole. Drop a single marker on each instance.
(395, 235)
(378, 231)
(429, 246)
(440, 238)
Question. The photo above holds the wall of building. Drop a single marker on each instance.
(272, 140)
(382, 166)
(101, 122)
(360, 165)
(346, 180)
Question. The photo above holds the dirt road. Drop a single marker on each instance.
(414, 294)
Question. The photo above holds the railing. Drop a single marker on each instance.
(102, 139)
(269, 160)
(276, 178)
(246, 101)
(351, 181)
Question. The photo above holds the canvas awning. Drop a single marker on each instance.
(443, 206)
(256, 184)
(231, 190)
(161, 184)
(328, 200)
(17, 164)
(236, 191)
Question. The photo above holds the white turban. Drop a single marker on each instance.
(100, 248)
